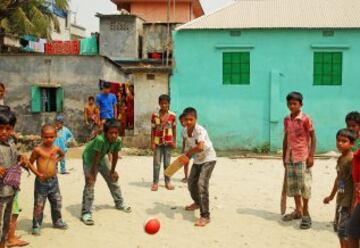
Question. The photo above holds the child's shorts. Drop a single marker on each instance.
(299, 179)
(354, 224)
(16, 209)
(342, 221)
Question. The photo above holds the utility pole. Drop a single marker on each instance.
(168, 33)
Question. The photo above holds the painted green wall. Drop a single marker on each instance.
(281, 61)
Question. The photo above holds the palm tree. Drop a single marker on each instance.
(30, 17)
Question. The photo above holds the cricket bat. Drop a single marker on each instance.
(176, 165)
(283, 196)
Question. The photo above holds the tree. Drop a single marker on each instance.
(31, 17)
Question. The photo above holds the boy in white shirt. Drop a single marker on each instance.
(202, 150)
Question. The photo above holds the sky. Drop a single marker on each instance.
(85, 13)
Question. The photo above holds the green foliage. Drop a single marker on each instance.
(29, 17)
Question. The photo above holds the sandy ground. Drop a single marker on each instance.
(244, 195)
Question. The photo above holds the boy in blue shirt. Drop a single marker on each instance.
(64, 135)
(106, 102)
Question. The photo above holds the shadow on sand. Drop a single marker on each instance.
(170, 211)
(269, 216)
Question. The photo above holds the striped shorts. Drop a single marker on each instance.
(299, 180)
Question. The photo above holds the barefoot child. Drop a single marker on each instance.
(184, 148)
(343, 185)
(46, 156)
(91, 117)
(353, 123)
(64, 136)
(298, 158)
(9, 172)
(163, 140)
(95, 161)
(201, 149)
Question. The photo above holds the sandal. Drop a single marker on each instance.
(169, 187)
(192, 207)
(124, 208)
(293, 216)
(305, 222)
(184, 180)
(87, 219)
(155, 187)
(202, 222)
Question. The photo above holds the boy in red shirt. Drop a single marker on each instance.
(163, 139)
(298, 158)
(354, 224)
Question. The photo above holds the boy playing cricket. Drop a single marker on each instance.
(298, 158)
(184, 149)
(47, 156)
(201, 149)
(163, 140)
(343, 185)
(95, 161)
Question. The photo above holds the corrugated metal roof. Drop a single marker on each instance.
(268, 14)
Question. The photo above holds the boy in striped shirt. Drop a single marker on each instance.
(163, 140)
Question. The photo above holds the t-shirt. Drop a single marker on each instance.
(102, 145)
(200, 135)
(297, 131)
(8, 157)
(162, 130)
(345, 183)
(356, 145)
(106, 103)
(64, 135)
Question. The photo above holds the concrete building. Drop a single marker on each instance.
(121, 36)
(77, 32)
(247, 57)
(40, 86)
(68, 30)
(156, 11)
(150, 81)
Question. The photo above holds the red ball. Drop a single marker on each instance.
(152, 226)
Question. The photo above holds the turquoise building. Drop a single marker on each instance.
(236, 66)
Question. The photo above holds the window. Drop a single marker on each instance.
(236, 68)
(47, 99)
(150, 76)
(327, 68)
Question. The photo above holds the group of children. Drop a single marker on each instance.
(298, 158)
(101, 156)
